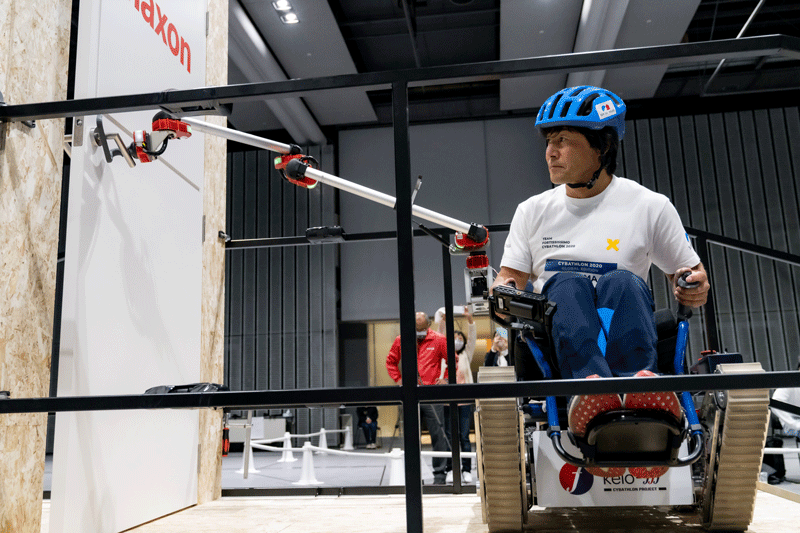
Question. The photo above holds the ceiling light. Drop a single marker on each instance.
(290, 18)
(282, 5)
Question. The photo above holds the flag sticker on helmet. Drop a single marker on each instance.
(605, 109)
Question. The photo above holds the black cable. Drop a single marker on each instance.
(160, 150)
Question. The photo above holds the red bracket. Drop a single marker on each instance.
(180, 129)
(477, 260)
(140, 141)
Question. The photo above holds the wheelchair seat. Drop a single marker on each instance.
(632, 437)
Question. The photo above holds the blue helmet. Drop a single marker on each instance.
(583, 107)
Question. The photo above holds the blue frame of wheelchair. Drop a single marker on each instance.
(687, 403)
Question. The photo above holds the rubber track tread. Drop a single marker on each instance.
(500, 456)
(744, 432)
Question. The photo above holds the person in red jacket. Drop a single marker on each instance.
(431, 351)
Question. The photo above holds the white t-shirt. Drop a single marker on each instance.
(626, 227)
(789, 421)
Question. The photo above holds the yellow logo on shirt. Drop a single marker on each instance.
(612, 243)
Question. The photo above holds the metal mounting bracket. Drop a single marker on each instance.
(100, 138)
(3, 127)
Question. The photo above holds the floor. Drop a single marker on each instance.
(777, 507)
(441, 514)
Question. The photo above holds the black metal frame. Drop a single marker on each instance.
(200, 101)
(213, 99)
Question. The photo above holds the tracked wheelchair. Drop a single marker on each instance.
(527, 456)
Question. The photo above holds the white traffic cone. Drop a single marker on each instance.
(323, 441)
(287, 456)
(425, 470)
(397, 467)
(251, 469)
(348, 439)
(307, 475)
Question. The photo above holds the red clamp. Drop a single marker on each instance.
(465, 242)
(280, 164)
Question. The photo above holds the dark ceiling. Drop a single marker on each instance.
(348, 36)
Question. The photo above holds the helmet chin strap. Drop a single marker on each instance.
(589, 184)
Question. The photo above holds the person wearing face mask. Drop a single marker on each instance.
(431, 352)
(498, 355)
(465, 347)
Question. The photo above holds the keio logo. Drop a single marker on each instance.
(575, 480)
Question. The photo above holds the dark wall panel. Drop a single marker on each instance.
(733, 174)
(281, 302)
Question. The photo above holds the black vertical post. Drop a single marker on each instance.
(408, 342)
(709, 310)
(455, 430)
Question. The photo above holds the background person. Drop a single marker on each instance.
(465, 348)
(368, 422)
(431, 351)
(498, 355)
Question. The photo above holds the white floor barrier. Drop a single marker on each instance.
(396, 459)
(287, 456)
(323, 442)
(307, 477)
(251, 469)
(348, 439)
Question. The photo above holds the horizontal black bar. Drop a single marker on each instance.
(736, 244)
(382, 490)
(569, 387)
(273, 242)
(192, 100)
(343, 491)
(393, 395)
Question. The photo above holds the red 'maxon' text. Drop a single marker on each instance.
(151, 13)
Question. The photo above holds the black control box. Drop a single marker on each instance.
(520, 306)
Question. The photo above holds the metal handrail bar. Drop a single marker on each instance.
(334, 397)
(207, 100)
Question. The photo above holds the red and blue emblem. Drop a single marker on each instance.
(575, 480)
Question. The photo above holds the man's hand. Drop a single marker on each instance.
(441, 381)
(694, 297)
(509, 276)
(369, 420)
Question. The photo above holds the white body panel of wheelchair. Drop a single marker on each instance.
(559, 484)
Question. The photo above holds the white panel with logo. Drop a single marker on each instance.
(132, 282)
(559, 484)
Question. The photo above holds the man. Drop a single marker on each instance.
(588, 244)
(431, 351)
(368, 421)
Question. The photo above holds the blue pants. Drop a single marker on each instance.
(607, 330)
(370, 431)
